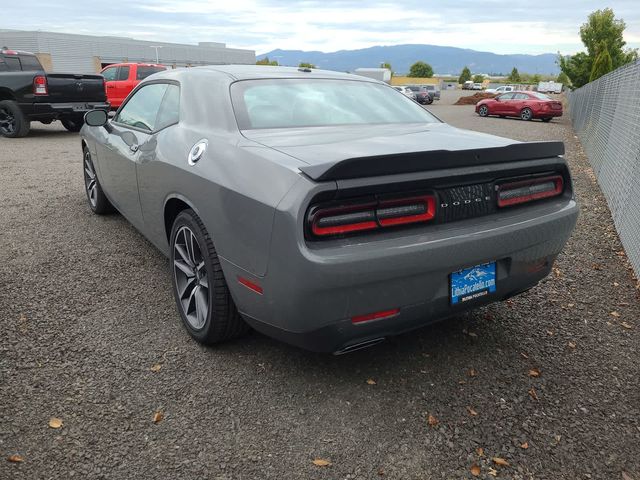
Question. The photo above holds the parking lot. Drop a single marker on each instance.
(547, 381)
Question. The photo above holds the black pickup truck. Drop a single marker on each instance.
(28, 93)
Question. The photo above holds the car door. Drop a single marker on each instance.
(502, 104)
(122, 85)
(518, 103)
(130, 136)
(110, 74)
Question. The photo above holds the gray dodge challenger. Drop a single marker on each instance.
(287, 204)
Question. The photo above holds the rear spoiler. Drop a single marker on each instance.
(430, 160)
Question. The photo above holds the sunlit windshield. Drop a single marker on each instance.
(289, 103)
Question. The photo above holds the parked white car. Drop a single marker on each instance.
(407, 92)
(501, 89)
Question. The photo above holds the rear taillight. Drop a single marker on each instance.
(40, 85)
(371, 215)
(523, 191)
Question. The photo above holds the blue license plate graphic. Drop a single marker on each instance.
(472, 283)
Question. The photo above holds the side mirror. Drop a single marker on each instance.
(96, 118)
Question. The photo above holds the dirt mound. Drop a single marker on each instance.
(473, 99)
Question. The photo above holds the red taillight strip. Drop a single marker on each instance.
(375, 316)
(319, 230)
(250, 285)
(558, 187)
(373, 215)
(430, 211)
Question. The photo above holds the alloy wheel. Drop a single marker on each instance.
(90, 180)
(190, 277)
(526, 114)
(483, 111)
(7, 121)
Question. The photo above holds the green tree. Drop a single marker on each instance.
(603, 63)
(478, 78)
(421, 69)
(465, 76)
(536, 79)
(601, 26)
(306, 65)
(514, 76)
(266, 61)
(563, 79)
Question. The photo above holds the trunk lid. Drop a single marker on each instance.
(332, 153)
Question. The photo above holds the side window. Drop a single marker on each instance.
(506, 96)
(109, 74)
(123, 73)
(521, 96)
(169, 113)
(13, 64)
(142, 108)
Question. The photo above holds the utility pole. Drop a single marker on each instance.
(156, 48)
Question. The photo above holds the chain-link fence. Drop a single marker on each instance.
(606, 117)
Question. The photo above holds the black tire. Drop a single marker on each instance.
(13, 123)
(429, 99)
(221, 320)
(98, 202)
(546, 120)
(526, 114)
(483, 111)
(72, 124)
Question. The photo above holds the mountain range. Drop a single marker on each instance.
(444, 60)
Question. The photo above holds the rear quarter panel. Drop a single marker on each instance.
(234, 188)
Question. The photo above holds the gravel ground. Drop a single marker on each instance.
(87, 310)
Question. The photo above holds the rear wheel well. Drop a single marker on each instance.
(6, 94)
(171, 210)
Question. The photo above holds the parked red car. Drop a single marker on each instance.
(526, 105)
(121, 78)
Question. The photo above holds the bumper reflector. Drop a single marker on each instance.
(375, 316)
(250, 285)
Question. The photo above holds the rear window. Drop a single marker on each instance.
(290, 103)
(30, 63)
(144, 72)
(540, 96)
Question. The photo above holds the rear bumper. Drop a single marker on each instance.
(52, 111)
(311, 293)
(547, 113)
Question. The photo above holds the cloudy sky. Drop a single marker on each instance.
(500, 26)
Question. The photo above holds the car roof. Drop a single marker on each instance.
(127, 64)
(249, 72)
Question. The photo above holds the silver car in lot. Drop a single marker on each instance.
(406, 91)
(287, 204)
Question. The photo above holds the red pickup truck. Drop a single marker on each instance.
(121, 78)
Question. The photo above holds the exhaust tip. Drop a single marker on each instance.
(359, 346)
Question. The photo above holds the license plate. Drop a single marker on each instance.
(472, 283)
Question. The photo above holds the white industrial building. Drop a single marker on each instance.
(89, 54)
